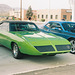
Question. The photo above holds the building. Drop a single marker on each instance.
(54, 14)
(16, 13)
(47, 15)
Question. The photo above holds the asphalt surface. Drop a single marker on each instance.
(11, 66)
(61, 70)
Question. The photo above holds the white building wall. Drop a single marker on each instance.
(45, 12)
(16, 13)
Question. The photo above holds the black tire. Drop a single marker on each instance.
(0, 45)
(72, 41)
(16, 52)
(51, 54)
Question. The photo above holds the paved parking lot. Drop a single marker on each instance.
(10, 66)
(61, 70)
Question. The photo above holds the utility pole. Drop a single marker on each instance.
(72, 3)
(21, 10)
(73, 10)
(49, 12)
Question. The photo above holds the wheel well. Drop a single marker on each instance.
(71, 38)
(12, 44)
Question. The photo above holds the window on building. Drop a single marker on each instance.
(56, 16)
(71, 17)
(51, 16)
(38, 16)
(65, 16)
(42, 16)
(46, 16)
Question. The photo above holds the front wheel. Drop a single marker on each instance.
(72, 46)
(0, 45)
(51, 54)
(15, 51)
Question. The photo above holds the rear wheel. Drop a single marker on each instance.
(0, 45)
(72, 46)
(15, 51)
(51, 54)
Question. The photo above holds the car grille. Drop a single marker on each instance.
(63, 47)
(44, 48)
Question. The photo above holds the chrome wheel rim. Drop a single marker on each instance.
(72, 46)
(15, 50)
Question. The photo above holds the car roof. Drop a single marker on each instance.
(12, 21)
(62, 21)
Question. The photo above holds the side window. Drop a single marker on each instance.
(56, 26)
(12, 27)
(49, 25)
(4, 27)
(22, 26)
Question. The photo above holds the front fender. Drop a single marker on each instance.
(27, 48)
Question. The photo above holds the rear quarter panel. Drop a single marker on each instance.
(6, 38)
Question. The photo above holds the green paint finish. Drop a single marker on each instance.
(27, 40)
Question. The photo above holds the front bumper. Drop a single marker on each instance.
(50, 48)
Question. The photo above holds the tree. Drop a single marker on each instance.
(29, 13)
(34, 17)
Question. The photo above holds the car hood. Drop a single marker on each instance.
(38, 38)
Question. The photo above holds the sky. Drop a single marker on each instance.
(38, 4)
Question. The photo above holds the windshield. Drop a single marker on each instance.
(23, 27)
(68, 26)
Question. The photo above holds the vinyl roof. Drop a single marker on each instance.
(12, 21)
(62, 21)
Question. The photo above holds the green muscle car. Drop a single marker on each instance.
(25, 38)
